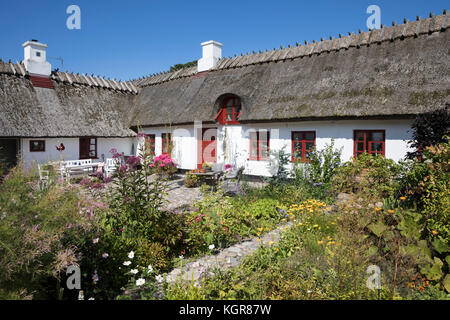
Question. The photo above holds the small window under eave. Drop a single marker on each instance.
(230, 110)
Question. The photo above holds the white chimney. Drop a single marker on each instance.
(212, 52)
(35, 58)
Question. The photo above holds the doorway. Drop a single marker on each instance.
(8, 152)
(207, 145)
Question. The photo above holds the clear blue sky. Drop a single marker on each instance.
(129, 39)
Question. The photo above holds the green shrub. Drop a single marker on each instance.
(368, 174)
(40, 234)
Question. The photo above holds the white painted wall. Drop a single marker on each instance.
(184, 144)
(72, 149)
(233, 141)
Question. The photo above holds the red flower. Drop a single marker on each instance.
(60, 147)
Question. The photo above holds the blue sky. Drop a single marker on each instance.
(134, 38)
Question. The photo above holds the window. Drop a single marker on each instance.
(259, 145)
(38, 54)
(302, 143)
(37, 145)
(230, 110)
(88, 148)
(166, 143)
(150, 143)
(370, 141)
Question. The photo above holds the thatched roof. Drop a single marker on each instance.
(397, 71)
(77, 106)
(401, 71)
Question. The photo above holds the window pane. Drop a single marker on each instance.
(297, 145)
(359, 135)
(376, 146)
(263, 135)
(92, 141)
(264, 148)
(92, 147)
(298, 136)
(309, 136)
(360, 146)
(309, 146)
(377, 136)
(254, 148)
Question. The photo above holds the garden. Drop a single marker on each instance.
(369, 228)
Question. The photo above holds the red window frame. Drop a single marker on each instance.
(257, 136)
(367, 142)
(41, 142)
(86, 154)
(235, 113)
(165, 137)
(150, 140)
(303, 141)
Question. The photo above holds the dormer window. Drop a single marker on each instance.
(230, 110)
(38, 54)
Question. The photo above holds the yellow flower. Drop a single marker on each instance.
(391, 211)
(403, 198)
(271, 243)
(315, 226)
(260, 229)
(259, 239)
(434, 232)
(320, 242)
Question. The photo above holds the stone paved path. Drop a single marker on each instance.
(179, 197)
(227, 258)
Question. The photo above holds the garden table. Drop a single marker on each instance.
(209, 175)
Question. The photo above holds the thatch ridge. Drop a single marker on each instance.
(358, 40)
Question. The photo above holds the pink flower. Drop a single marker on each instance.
(113, 151)
(141, 135)
(228, 167)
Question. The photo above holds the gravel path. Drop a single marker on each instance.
(227, 258)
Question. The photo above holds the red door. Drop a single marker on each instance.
(207, 145)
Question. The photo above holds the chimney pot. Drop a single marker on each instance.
(211, 54)
(35, 58)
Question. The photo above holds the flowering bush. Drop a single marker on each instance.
(40, 234)
(164, 165)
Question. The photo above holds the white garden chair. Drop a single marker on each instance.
(110, 166)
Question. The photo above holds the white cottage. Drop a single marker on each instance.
(40, 110)
(363, 90)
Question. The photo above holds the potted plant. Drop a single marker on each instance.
(206, 166)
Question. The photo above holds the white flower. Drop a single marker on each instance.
(181, 257)
(150, 268)
(95, 240)
(211, 247)
(131, 255)
(140, 281)
(127, 263)
(91, 299)
(134, 271)
(159, 278)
